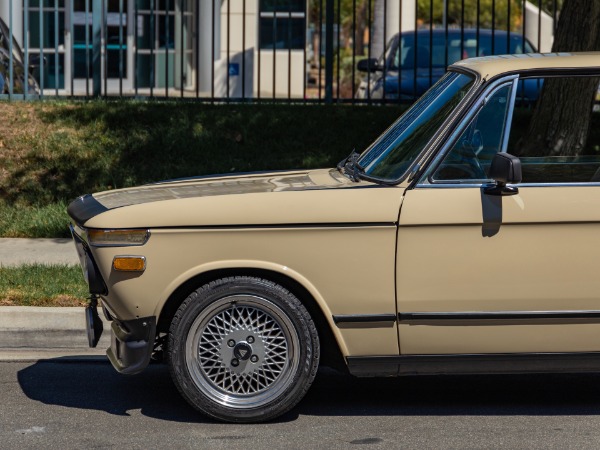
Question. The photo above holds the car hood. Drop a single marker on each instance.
(299, 197)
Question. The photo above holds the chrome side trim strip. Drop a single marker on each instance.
(507, 224)
(282, 226)
(420, 317)
(405, 317)
(363, 318)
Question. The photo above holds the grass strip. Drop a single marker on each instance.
(27, 221)
(42, 285)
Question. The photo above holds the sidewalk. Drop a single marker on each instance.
(30, 333)
(16, 252)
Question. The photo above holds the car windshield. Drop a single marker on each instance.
(393, 152)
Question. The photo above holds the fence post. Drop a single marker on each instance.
(329, 18)
(97, 15)
(10, 58)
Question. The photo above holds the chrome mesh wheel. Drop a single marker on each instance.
(242, 351)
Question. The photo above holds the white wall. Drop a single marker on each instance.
(286, 82)
(205, 45)
(546, 38)
(17, 19)
(241, 50)
(284, 61)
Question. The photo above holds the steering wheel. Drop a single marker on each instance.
(467, 154)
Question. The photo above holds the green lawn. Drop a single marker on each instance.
(40, 285)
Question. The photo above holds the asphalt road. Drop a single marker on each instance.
(68, 405)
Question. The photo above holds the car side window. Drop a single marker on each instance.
(471, 155)
(557, 144)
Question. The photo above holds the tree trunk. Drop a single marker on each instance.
(561, 118)
(361, 25)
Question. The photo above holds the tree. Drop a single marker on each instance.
(561, 118)
(458, 12)
(353, 17)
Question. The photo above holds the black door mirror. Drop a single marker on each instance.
(505, 169)
(368, 65)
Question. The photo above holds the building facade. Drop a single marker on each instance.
(216, 48)
(203, 48)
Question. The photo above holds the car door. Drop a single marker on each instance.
(478, 273)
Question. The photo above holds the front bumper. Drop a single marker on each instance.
(132, 344)
(132, 341)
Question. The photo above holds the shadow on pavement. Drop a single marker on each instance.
(96, 386)
(495, 395)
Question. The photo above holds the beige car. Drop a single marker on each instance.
(450, 245)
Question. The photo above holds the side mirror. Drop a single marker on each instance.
(505, 169)
(368, 65)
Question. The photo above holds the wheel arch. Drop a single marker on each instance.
(331, 345)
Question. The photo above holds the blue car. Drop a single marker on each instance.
(411, 65)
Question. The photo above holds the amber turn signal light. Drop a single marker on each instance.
(129, 263)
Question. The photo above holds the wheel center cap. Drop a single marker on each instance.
(242, 351)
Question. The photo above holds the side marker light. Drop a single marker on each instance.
(129, 263)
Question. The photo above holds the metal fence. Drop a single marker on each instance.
(355, 51)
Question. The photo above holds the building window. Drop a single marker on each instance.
(115, 35)
(46, 25)
(282, 24)
(164, 37)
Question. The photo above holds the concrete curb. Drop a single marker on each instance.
(27, 327)
(58, 355)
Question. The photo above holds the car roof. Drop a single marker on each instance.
(457, 31)
(491, 66)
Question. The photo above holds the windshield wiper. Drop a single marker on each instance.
(350, 166)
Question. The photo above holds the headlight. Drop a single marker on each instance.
(117, 238)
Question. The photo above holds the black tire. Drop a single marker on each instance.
(243, 349)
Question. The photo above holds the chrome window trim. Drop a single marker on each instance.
(574, 184)
(433, 145)
(475, 108)
(509, 115)
(426, 182)
(520, 185)
(434, 142)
